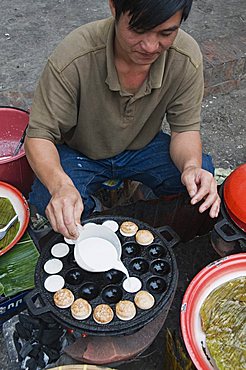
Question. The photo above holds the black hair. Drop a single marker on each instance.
(147, 14)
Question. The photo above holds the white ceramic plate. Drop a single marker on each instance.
(21, 208)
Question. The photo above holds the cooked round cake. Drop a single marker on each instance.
(63, 298)
(125, 310)
(103, 314)
(144, 237)
(144, 300)
(128, 228)
(81, 309)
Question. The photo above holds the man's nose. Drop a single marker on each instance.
(150, 44)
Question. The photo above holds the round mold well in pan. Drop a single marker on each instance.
(88, 290)
(74, 276)
(156, 251)
(156, 285)
(131, 249)
(60, 250)
(94, 285)
(114, 276)
(160, 267)
(112, 294)
(138, 266)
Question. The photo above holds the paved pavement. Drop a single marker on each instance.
(29, 31)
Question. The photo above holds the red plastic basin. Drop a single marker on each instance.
(14, 170)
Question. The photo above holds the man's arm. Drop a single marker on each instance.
(65, 207)
(186, 153)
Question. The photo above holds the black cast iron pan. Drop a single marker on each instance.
(155, 265)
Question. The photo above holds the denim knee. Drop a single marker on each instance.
(40, 198)
(173, 184)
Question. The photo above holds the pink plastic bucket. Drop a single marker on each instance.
(14, 170)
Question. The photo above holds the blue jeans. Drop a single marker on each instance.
(151, 166)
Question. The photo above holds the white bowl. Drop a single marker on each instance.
(95, 231)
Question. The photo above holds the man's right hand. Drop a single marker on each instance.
(66, 206)
(64, 210)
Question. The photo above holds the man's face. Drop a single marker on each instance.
(143, 48)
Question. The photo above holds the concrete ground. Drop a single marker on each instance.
(30, 30)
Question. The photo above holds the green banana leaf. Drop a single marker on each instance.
(17, 267)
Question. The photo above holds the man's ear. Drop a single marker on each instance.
(112, 8)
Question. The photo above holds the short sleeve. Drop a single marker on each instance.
(54, 108)
(184, 109)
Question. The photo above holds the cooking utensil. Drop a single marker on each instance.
(21, 142)
(5, 229)
(155, 265)
(21, 208)
(208, 279)
(104, 233)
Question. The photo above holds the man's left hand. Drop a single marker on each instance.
(201, 184)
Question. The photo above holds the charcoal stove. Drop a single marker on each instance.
(229, 233)
(118, 340)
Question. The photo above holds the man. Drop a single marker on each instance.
(99, 106)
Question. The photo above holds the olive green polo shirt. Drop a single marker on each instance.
(79, 100)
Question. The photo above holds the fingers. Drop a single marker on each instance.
(68, 220)
(64, 214)
(215, 208)
(207, 189)
(212, 201)
(188, 178)
(51, 217)
(55, 215)
(201, 185)
(78, 209)
(191, 187)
